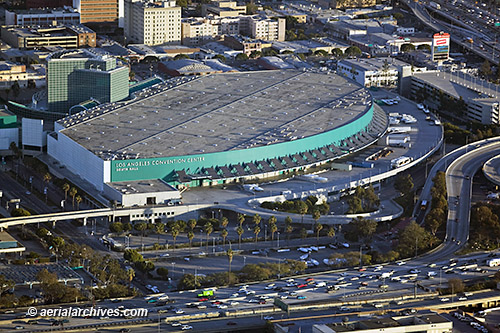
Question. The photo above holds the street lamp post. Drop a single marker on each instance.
(278, 239)
(173, 264)
(279, 269)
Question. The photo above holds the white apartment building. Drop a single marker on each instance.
(152, 23)
(266, 28)
(200, 30)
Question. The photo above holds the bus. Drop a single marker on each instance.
(400, 161)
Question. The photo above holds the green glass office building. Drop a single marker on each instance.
(77, 76)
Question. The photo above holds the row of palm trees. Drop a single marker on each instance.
(73, 192)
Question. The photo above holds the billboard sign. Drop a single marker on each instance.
(440, 47)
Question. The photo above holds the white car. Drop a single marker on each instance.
(176, 324)
(415, 271)
(268, 318)
(234, 303)
(400, 263)
(179, 311)
(378, 268)
(235, 295)
(186, 327)
(269, 286)
(463, 298)
(444, 299)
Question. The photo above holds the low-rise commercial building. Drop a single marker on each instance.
(10, 73)
(42, 17)
(374, 72)
(223, 8)
(9, 130)
(66, 36)
(244, 44)
(425, 323)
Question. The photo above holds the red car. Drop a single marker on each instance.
(309, 279)
(301, 285)
(217, 302)
(262, 302)
(203, 299)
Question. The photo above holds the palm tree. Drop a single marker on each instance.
(174, 231)
(130, 276)
(303, 233)
(192, 223)
(78, 200)
(66, 188)
(241, 219)
(224, 235)
(318, 227)
(256, 219)
(47, 177)
(224, 222)
(209, 228)
(72, 193)
(272, 220)
(230, 259)
(240, 232)
(256, 231)
(331, 232)
(273, 228)
(160, 228)
(316, 215)
(288, 231)
(190, 236)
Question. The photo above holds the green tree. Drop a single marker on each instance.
(73, 192)
(5, 284)
(223, 234)
(141, 227)
(485, 69)
(220, 57)
(116, 227)
(160, 229)
(303, 233)
(404, 184)
(353, 52)
(360, 229)
(251, 8)
(188, 282)
(174, 231)
(132, 255)
(256, 219)
(145, 266)
(331, 232)
(318, 227)
(302, 209)
(273, 228)
(337, 53)
(288, 230)
(424, 47)
(224, 222)
(66, 188)
(316, 215)
(162, 272)
(241, 56)
(192, 224)
(255, 54)
(291, 22)
(20, 212)
(321, 53)
(414, 238)
(182, 3)
(456, 285)
(241, 219)
(209, 228)
(256, 231)
(398, 16)
(181, 56)
(240, 232)
(230, 255)
(407, 47)
(78, 200)
(190, 236)
(130, 276)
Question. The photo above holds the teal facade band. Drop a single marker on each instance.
(163, 168)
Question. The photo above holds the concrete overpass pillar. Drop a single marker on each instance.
(53, 224)
(85, 221)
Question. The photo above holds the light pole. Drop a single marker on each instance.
(244, 261)
(278, 239)
(279, 269)
(173, 264)
(213, 246)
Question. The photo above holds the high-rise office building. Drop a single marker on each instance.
(152, 23)
(77, 76)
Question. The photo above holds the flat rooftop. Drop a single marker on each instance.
(142, 186)
(374, 64)
(219, 112)
(459, 85)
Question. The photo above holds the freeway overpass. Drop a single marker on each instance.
(137, 213)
